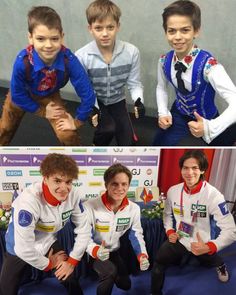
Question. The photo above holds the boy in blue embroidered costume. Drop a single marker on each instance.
(39, 72)
(38, 213)
(196, 76)
(112, 64)
(188, 209)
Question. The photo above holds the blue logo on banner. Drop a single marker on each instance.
(13, 172)
(24, 218)
(223, 208)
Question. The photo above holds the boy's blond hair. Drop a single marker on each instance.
(44, 15)
(100, 9)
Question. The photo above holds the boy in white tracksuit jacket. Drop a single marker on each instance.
(38, 213)
(111, 215)
(192, 204)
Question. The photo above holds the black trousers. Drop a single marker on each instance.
(170, 254)
(114, 122)
(13, 270)
(110, 272)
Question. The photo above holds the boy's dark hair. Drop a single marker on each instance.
(59, 163)
(185, 8)
(113, 170)
(44, 15)
(199, 155)
(100, 9)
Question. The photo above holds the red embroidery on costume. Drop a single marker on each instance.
(212, 61)
(188, 59)
(29, 50)
(49, 81)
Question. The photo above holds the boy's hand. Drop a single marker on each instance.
(196, 127)
(103, 253)
(94, 117)
(57, 258)
(64, 269)
(173, 238)
(139, 109)
(54, 111)
(68, 123)
(144, 263)
(199, 247)
(165, 122)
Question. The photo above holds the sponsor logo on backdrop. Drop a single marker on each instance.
(147, 160)
(125, 160)
(95, 183)
(134, 182)
(14, 173)
(99, 150)
(34, 173)
(149, 171)
(98, 160)
(136, 171)
(77, 184)
(118, 150)
(148, 182)
(79, 150)
(98, 172)
(37, 159)
(80, 160)
(10, 186)
(15, 160)
(83, 172)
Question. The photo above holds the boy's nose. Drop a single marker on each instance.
(178, 35)
(104, 32)
(48, 43)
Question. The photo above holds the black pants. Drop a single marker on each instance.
(170, 254)
(13, 270)
(110, 272)
(114, 122)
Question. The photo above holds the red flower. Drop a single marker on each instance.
(212, 61)
(188, 59)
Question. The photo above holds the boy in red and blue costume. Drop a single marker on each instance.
(39, 72)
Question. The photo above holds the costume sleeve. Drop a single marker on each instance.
(136, 234)
(25, 217)
(82, 85)
(82, 231)
(134, 84)
(161, 91)
(224, 220)
(225, 88)
(168, 215)
(92, 247)
(19, 93)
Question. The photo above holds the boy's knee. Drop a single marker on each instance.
(123, 282)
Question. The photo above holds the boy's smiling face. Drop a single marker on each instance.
(180, 34)
(104, 32)
(47, 42)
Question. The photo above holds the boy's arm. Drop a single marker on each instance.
(224, 86)
(20, 95)
(134, 84)
(83, 88)
(161, 92)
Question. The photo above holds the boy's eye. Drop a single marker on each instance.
(110, 28)
(40, 38)
(171, 31)
(98, 28)
(55, 39)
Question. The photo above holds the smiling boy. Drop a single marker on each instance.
(39, 72)
(112, 64)
(38, 213)
(195, 75)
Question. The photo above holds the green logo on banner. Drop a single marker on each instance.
(34, 173)
(98, 172)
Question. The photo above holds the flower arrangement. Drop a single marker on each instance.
(155, 211)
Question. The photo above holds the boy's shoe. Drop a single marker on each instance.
(223, 274)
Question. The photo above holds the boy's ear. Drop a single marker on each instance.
(30, 38)
(197, 33)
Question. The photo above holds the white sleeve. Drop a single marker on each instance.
(134, 81)
(224, 220)
(82, 231)
(161, 92)
(25, 218)
(223, 86)
(167, 214)
(136, 234)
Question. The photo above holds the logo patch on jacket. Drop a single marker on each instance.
(24, 218)
(122, 224)
(223, 208)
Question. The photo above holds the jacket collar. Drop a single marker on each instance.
(50, 199)
(107, 204)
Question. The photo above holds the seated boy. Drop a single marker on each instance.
(110, 216)
(195, 75)
(111, 64)
(39, 72)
